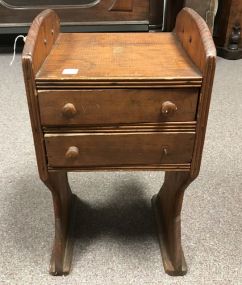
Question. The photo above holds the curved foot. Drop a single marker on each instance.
(64, 209)
(167, 206)
(57, 267)
(167, 262)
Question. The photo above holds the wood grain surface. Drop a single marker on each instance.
(119, 106)
(119, 149)
(33, 56)
(41, 37)
(195, 37)
(197, 40)
(113, 57)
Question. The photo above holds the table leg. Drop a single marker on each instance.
(167, 205)
(64, 205)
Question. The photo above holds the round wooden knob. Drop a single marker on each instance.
(69, 110)
(168, 108)
(72, 152)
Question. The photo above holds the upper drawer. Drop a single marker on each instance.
(121, 106)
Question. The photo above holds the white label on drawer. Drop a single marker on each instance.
(70, 71)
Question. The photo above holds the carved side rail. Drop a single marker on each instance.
(41, 37)
(196, 39)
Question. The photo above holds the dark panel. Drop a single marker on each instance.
(27, 3)
(221, 22)
(172, 9)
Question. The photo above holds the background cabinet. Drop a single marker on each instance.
(79, 15)
(227, 29)
(76, 15)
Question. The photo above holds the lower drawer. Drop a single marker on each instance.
(121, 149)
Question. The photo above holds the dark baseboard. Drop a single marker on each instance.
(229, 53)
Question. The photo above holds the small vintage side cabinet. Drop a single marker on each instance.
(119, 101)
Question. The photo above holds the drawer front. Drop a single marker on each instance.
(122, 149)
(121, 106)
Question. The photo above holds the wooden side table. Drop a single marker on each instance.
(119, 101)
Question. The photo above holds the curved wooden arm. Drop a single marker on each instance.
(195, 37)
(41, 37)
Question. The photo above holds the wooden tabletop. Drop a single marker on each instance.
(118, 57)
